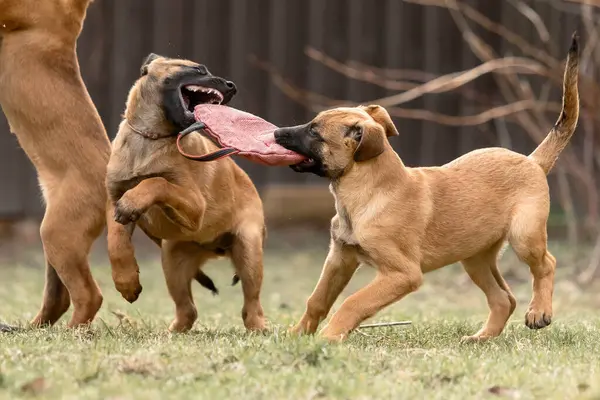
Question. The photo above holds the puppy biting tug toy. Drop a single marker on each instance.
(238, 132)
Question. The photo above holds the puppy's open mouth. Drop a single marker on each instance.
(193, 95)
(307, 163)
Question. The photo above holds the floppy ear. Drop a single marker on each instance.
(370, 142)
(151, 57)
(382, 117)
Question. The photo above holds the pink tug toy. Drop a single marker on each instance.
(238, 132)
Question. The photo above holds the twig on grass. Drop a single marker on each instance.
(8, 328)
(385, 324)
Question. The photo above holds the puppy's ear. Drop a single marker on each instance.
(382, 117)
(151, 57)
(370, 141)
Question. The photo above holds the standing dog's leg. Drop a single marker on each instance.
(483, 270)
(56, 299)
(528, 238)
(397, 276)
(340, 265)
(180, 262)
(125, 269)
(247, 257)
(67, 251)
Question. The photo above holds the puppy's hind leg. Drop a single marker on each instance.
(528, 238)
(180, 262)
(247, 257)
(483, 270)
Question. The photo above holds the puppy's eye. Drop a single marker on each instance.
(355, 132)
(313, 133)
(202, 69)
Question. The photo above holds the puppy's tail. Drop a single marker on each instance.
(548, 151)
(206, 282)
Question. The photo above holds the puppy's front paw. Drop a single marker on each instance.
(477, 338)
(130, 288)
(126, 211)
(537, 319)
(300, 329)
(306, 326)
(256, 325)
(254, 320)
(296, 330)
(334, 334)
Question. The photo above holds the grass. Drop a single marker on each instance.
(127, 353)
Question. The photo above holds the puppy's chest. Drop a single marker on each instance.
(129, 165)
(355, 222)
(342, 229)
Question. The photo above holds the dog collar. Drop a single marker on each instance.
(148, 135)
(198, 126)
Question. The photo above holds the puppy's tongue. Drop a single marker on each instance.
(252, 136)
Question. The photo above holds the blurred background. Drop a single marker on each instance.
(456, 76)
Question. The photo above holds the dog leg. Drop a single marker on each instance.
(67, 252)
(125, 269)
(483, 270)
(542, 266)
(397, 276)
(182, 205)
(247, 257)
(528, 239)
(340, 265)
(56, 299)
(180, 262)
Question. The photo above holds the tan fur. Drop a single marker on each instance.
(409, 221)
(50, 111)
(193, 207)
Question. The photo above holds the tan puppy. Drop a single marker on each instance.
(409, 221)
(198, 210)
(49, 109)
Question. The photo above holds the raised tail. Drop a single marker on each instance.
(548, 151)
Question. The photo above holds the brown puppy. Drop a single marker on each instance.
(409, 221)
(198, 210)
(49, 109)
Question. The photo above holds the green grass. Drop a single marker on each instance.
(135, 358)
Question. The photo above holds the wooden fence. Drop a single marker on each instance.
(223, 34)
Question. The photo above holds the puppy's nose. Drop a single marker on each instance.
(279, 133)
(289, 131)
(231, 86)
